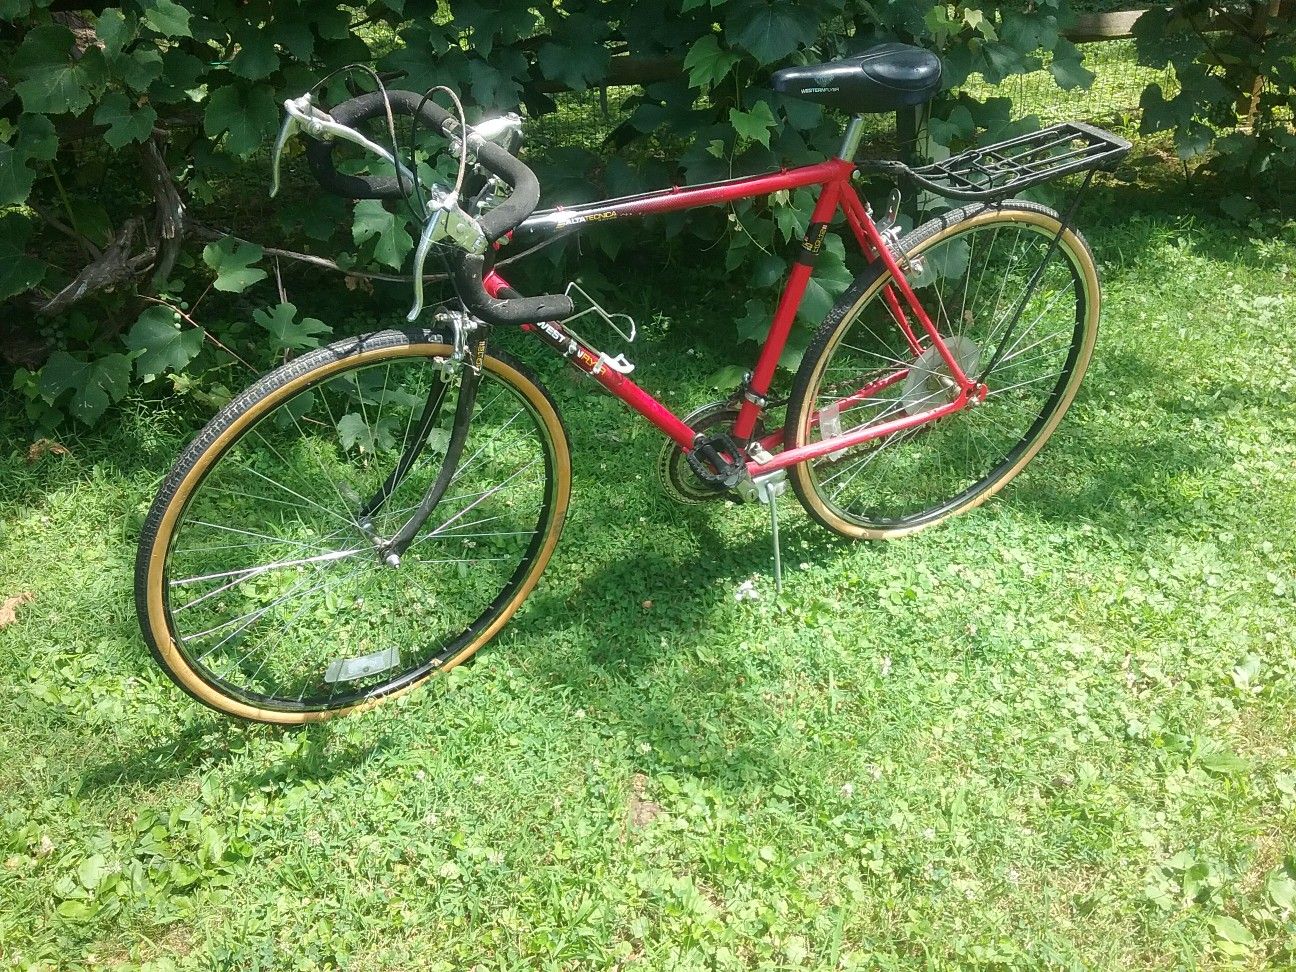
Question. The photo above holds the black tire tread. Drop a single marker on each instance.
(268, 384)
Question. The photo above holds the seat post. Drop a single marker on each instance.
(851, 140)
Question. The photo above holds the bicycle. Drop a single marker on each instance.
(341, 531)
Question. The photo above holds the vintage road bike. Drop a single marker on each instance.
(373, 512)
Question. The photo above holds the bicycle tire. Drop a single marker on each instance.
(865, 514)
(227, 452)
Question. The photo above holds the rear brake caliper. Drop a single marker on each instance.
(889, 228)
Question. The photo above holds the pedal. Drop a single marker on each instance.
(725, 473)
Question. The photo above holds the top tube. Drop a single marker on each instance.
(689, 197)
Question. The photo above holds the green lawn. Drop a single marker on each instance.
(1057, 732)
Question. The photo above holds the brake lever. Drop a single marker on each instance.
(426, 239)
(287, 130)
(447, 221)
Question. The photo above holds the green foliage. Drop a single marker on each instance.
(202, 84)
(980, 748)
(125, 123)
(246, 115)
(53, 80)
(390, 241)
(232, 262)
(1233, 63)
(84, 388)
(18, 271)
(161, 343)
(286, 332)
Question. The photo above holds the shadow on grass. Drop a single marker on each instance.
(312, 752)
(203, 744)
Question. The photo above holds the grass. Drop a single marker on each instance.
(1054, 733)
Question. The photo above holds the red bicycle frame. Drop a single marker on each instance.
(836, 193)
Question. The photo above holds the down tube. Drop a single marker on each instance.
(587, 360)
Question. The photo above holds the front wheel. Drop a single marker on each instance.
(971, 270)
(261, 582)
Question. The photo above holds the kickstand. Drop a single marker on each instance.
(768, 490)
(778, 560)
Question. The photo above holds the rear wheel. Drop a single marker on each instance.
(260, 583)
(970, 270)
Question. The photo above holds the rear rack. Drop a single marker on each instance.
(999, 170)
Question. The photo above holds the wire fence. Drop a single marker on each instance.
(586, 118)
(1118, 84)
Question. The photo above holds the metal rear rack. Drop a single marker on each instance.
(999, 170)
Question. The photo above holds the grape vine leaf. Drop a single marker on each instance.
(232, 262)
(492, 87)
(755, 322)
(392, 242)
(707, 63)
(53, 82)
(577, 66)
(256, 58)
(18, 271)
(167, 18)
(286, 332)
(355, 433)
(247, 112)
(831, 277)
(35, 139)
(93, 384)
(1067, 67)
(160, 344)
(125, 123)
(15, 177)
(770, 30)
(754, 124)
(115, 31)
(1001, 60)
(180, 76)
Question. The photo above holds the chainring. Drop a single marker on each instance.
(678, 481)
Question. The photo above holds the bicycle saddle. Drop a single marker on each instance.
(883, 78)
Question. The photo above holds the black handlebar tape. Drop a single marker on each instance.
(319, 154)
(515, 310)
(521, 202)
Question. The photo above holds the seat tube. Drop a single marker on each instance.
(788, 303)
(851, 139)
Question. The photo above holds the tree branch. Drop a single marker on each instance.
(110, 269)
(204, 232)
(63, 228)
(169, 221)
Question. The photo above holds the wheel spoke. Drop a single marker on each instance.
(260, 608)
(906, 479)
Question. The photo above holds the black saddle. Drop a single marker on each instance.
(883, 78)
